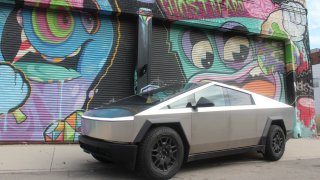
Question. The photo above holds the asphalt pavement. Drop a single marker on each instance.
(59, 159)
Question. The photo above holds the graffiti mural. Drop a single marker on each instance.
(57, 53)
(263, 65)
(233, 59)
(61, 57)
(206, 9)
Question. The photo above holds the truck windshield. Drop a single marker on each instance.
(157, 96)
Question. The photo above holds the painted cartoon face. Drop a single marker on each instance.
(61, 52)
(68, 43)
(250, 63)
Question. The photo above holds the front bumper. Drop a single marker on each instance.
(108, 130)
(120, 153)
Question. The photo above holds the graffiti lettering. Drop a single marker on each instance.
(196, 9)
(304, 87)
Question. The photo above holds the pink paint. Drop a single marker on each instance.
(41, 20)
(47, 3)
(43, 3)
(25, 45)
(42, 108)
(76, 3)
(260, 9)
(304, 64)
(306, 107)
(226, 77)
(61, 20)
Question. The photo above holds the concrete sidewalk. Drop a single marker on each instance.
(40, 158)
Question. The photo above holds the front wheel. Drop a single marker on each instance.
(160, 154)
(275, 145)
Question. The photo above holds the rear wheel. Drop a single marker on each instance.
(275, 144)
(160, 154)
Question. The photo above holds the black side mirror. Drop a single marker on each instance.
(204, 102)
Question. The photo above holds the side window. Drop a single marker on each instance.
(238, 98)
(213, 94)
(182, 103)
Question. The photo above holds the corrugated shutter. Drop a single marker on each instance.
(248, 62)
(119, 82)
(165, 67)
(57, 65)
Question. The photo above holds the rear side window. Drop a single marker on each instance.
(237, 98)
(214, 94)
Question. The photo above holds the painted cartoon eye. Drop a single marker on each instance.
(90, 22)
(202, 55)
(236, 51)
(197, 48)
(52, 26)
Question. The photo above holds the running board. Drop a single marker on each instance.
(213, 154)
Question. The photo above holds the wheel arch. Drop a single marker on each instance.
(148, 126)
(277, 120)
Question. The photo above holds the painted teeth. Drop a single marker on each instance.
(59, 59)
(256, 72)
(53, 60)
(76, 52)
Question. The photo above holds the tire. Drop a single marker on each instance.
(161, 154)
(276, 143)
(101, 159)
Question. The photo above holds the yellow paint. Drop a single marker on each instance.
(113, 56)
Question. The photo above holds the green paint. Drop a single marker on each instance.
(215, 4)
(181, 5)
(55, 135)
(300, 130)
(54, 4)
(79, 116)
(36, 26)
(54, 27)
(262, 67)
(19, 116)
(196, 8)
(52, 22)
(45, 73)
(277, 32)
(289, 57)
(68, 132)
(253, 25)
(144, 19)
(188, 68)
(79, 113)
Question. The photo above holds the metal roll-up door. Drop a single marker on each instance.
(119, 80)
(58, 64)
(164, 67)
(252, 63)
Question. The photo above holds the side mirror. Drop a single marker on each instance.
(189, 105)
(204, 102)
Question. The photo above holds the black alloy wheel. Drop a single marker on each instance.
(161, 154)
(275, 145)
(277, 141)
(164, 153)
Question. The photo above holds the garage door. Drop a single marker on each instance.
(252, 63)
(54, 65)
